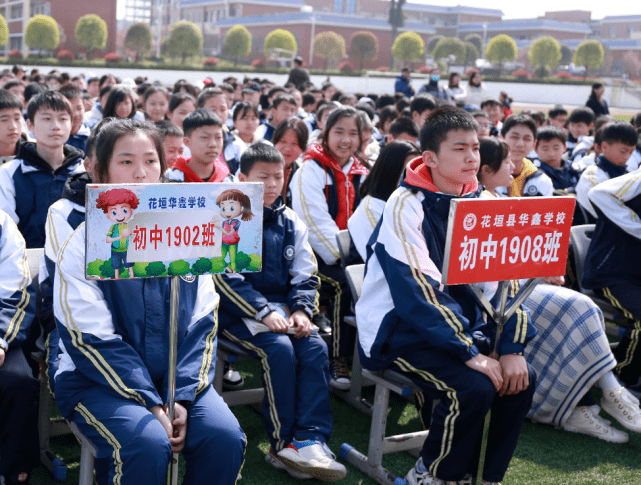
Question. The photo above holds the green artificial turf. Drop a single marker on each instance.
(544, 455)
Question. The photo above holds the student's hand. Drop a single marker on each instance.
(161, 415)
(515, 374)
(1, 357)
(554, 280)
(302, 324)
(277, 323)
(488, 366)
(180, 428)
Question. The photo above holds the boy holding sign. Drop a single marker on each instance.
(436, 334)
(283, 296)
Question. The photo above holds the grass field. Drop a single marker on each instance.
(544, 455)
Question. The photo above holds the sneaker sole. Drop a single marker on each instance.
(341, 386)
(276, 463)
(596, 435)
(613, 412)
(323, 474)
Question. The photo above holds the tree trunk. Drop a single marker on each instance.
(236, 61)
(361, 63)
(326, 63)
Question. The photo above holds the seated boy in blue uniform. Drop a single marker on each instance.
(550, 146)
(18, 387)
(283, 296)
(435, 334)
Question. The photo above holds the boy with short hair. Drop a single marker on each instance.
(31, 182)
(322, 113)
(282, 108)
(283, 296)
(580, 124)
(558, 116)
(409, 322)
(421, 107)
(204, 138)
(519, 132)
(16, 87)
(485, 128)
(403, 129)
(10, 126)
(79, 131)
(550, 146)
(172, 140)
(494, 111)
(616, 141)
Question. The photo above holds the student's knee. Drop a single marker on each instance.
(149, 443)
(281, 349)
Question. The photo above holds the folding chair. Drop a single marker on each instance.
(229, 351)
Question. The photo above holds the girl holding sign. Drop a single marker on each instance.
(112, 378)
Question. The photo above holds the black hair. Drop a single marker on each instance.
(619, 131)
(226, 87)
(9, 100)
(177, 99)
(451, 78)
(472, 75)
(153, 89)
(366, 108)
(283, 98)
(384, 176)
(595, 86)
(326, 85)
(90, 146)
(329, 105)
(334, 117)
(490, 102)
(384, 100)
(422, 102)
(209, 93)
(183, 84)
(582, 115)
(259, 152)
(17, 68)
(636, 120)
(106, 90)
(346, 97)
(387, 113)
(13, 82)
(274, 90)
(298, 126)
(402, 103)
(104, 78)
(549, 133)
(49, 99)
(112, 131)
(557, 110)
(403, 124)
(93, 79)
(70, 92)
(493, 151)
(116, 96)
(199, 118)
(537, 116)
(32, 89)
(167, 128)
(242, 108)
(479, 112)
(308, 99)
(602, 120)
(518, 120)
(441, 122)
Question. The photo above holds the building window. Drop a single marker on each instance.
(351, 7)
(233, 12)
(338, 6)
(16, 12)
(16, 43)
(612, 31)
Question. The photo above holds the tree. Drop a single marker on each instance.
(178, 268)
(156, 269)
(256, 262)
(242, 261)
(238, 42)
(364, 46)
(281, 39)
(408, 47)
(91, 33)
(42, 33)
(471, 55)
(218, 265)
(106, 270)
(566, 55)
(329, 45)
(431, 43)
(501, 49)
(589, 54)
(185, 39)
(202, 266)
(545, 54)
(475, 39)
(139, 39)
(4, 31)
(447, 47)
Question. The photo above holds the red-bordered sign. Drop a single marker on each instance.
(508, 238)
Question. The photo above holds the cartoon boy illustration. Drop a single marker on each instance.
(232, 204)
(119, 206)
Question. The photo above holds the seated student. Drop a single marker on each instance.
(325, 192)
(34, 180)
(519, 131)
(558, 116)
(246, 120)
(101, 324)
(583, 154)
(79, 131)
(204, 137)
(322, 113)
(377, 188)
(421, 107)
(18, 387)
(403, 129)
(172, 141)
(93, 116)
(121, 104)
(215, 100)
(283, 296)
(580, 125)
(386, 117)
(10, 126)
(16, 87)
(612, 265)
(369, 147)
(329, 90)
(570, 353)
(283, 106)
(494, 111)
(409, 322)
(290, 139)
(550, 146)
(485, 127)
(180, 105)
(616, 141)
(155, 101)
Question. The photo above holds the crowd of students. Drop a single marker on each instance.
(383, 166)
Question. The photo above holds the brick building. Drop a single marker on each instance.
(17, 14)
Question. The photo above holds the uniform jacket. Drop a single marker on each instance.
(592, 176)
(530, 182)
(403, 304)
(182, 172)
(28, 187)
(564, 178)
(363, 222)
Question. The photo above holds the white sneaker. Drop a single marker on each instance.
(273, 459)
(623, 407)
(584, 421)
(313, 458)
(420, 476)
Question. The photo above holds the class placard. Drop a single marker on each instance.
(152, 230)
(507, 238)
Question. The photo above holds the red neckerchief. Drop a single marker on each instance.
(418, 175)
(344, 185)
(221, 170)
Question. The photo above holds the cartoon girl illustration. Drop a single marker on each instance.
(119, 206)
(232, 203)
